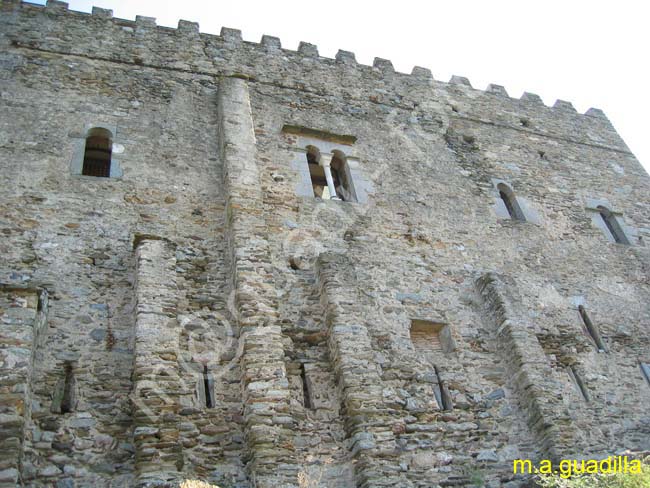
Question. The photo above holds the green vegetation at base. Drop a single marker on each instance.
(617, 480)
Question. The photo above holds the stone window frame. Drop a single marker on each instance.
(523, 206)
(425, 327)
(79, 142)
(595, 209)
(361, 187)
(205, 389)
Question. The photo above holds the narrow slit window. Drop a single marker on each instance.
(306, 394)
(441, 392)
(65, 398)
(645, 370)
(510, 201)
(612, 225)
(208, 388)
(592, 330)
(577, 381)
(97, 153)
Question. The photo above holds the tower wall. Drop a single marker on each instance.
(217, 322)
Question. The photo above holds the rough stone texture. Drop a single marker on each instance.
(198, 264)
(156, 382)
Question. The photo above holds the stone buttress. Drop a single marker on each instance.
(527, 371)
(367, 419)
(23, 314)
(156, 388)
(268, 422)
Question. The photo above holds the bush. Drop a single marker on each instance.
(615, 480)
(196, 484)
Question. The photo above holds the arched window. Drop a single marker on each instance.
(510, 201)
(97, 153)
(341, 176)
(612, 225)
(317, 173)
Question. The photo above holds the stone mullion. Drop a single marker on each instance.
(157, 384)
(351, 353)
(265, 387)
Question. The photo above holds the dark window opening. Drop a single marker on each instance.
(613, 226)
(97, 153)
(431, 337)
(68, 400)
(510, 201)
(42, 301)
(577, 380)
(441, 392)
(592, 330)
(208, 388)
(525, 122)
(306, 397)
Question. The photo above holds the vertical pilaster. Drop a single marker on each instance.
(265, 387)
(528, 372)
(368, 422)
(158, 456)
(23, 317)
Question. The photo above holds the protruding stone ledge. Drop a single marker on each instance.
(232, 36)
(565, 106)
(346, 57)
(308, 50)
(139, 238)
(56, 5)
(271, 43)
(497, 90)
(384, 65)
(423, 73)
(102, 13)
(460, 80)
(189, 28)
(596, 112)
(142, 21)
(532, 98)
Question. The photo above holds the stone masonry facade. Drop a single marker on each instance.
(285, 270)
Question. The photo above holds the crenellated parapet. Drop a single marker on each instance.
(186, 49)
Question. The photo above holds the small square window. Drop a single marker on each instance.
(431, 337)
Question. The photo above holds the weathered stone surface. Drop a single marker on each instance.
(209, 318)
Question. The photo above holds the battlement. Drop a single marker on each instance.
(187, 49)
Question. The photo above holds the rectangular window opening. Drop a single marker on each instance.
(68, 397)
(431, 337)
(208, 389)
(306, 394)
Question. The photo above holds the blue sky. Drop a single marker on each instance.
(591, 53)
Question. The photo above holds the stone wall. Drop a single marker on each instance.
(204, 319)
